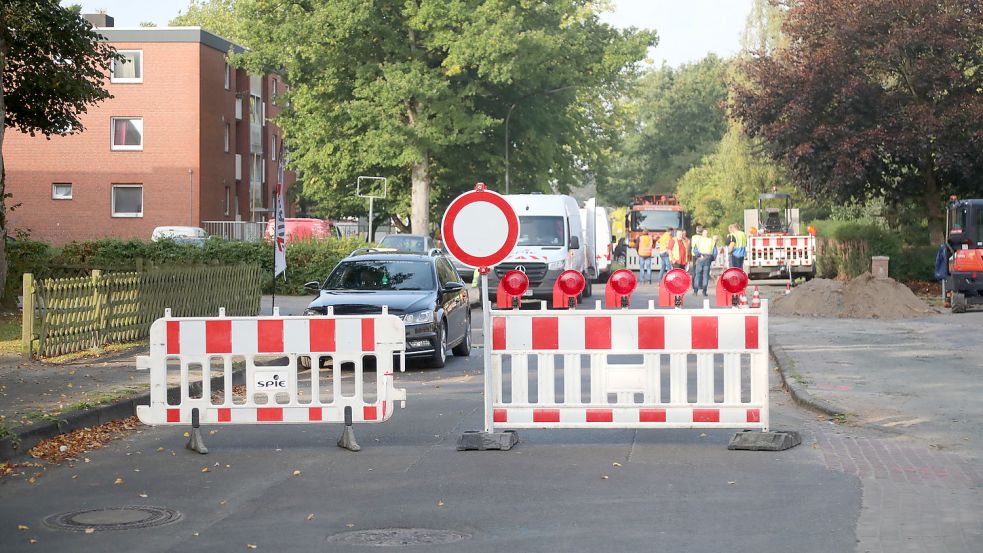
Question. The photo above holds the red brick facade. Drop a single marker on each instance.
(183, 167)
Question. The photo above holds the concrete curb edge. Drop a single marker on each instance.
(798, 392)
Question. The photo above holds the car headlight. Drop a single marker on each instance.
(554, 265)
(420, 317)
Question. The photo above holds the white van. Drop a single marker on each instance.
(597, 239)
(550, 236)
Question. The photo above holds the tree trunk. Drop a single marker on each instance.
(397, 222)
(933, 202)
(3, 175)
(420, 210)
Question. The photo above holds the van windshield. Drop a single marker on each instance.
(541, 231)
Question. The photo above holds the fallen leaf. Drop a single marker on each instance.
(616, 464)
(349, 525)
(310, 516)
(90, 530)
(703, 434)
(160, 449)
(23, 527)
(250, 546)
(604, 477)
(440, 503)
(223, 502)
(143, 495)
(296, 473)
(195, 534)
(118, 482)
(74, 476)
(732, 483)
(186, 435)
(212, 432)
(32, 541)
(70, 385)
(204, 469)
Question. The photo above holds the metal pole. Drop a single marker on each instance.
(276, 218)
(191, 197)
(486, 332)
(507, 118)
(368, 234)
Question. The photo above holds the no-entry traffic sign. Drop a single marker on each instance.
(480, 228)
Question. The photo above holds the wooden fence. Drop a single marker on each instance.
(65, 315)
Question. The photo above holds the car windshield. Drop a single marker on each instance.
(540, 231)
(403, 243)
(381, 275)
(655, 220)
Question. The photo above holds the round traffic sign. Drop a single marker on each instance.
(480, 228)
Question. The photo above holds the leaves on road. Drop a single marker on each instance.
(82, 440)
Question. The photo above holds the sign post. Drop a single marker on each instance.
(481, 229)
(371, 196)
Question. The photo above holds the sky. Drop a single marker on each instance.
(688, 29)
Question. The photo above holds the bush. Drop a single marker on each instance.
(845, 249)
(24, 256)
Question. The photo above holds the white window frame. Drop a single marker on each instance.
(273, 147)
(228, 76)
(112, 205)
(112, 135)
(228, 136)
(71, 191)
(273, 90)
(228, 199)
(112, 70)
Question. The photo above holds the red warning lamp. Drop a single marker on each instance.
(673, 287)
(568, 286)
(619, 288)
(730, 286)
(510, 289)
(812, 230)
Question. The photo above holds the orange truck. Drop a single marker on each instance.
(964, 248)
(776, 248)
(650, 213)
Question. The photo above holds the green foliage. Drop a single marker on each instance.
(221, 17)
(24, 256)
(849, 245)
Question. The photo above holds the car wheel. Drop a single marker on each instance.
(464, 348)
(439, 357)
(304, 362)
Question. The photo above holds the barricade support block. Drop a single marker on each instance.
(472, 440)
(775, 440)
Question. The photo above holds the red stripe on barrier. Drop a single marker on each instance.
(270, 335)
(545, 415)
(500, 415)
(269, 414)
(315, 414)
(600, 415)
(751, 332)
(322, 335)
(754, 415)
(218, 336)
(173, 415)
(651, 415)
(498, 333)
(704, 333)
(368, 334)
(173, 338)
(224, 414)
(545, 333)
(794, 241)
(706, 415)
(369, 413)
(651, 333)
(597, 332)
(383, 409)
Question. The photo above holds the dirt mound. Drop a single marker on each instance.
(864, 297)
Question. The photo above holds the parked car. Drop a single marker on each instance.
(417, 243)
(304, 229)
(181, 235)
(424, 290)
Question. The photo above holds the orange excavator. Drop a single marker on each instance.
(964, 248)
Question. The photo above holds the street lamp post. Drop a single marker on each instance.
(508, 117)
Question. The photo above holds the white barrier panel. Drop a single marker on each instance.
(699, 368)
(277, 388)
(770, 251)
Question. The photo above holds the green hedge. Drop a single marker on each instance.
(306, 261)
(847, 246)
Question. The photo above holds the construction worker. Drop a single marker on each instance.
(645, 245)
(662, 246)
(737, 241)
(678, 252)
(703, 251)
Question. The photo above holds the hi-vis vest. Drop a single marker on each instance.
(645, 246)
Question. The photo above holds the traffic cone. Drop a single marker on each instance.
(788, 287)
(742, 300)
(756, 298)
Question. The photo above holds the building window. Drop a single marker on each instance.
(273, 91)
(61, 191)
(228, 76)
(227, 198)
(127, 133)
(228, 131)
(273, 147)
(129, 69)
(127, 200)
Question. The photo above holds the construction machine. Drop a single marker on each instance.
(964, 248)
(646, 214)
(776, 248)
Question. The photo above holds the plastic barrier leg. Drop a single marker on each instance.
(347, 440)
(196, 442)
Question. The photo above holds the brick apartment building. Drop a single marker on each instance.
(185, 139)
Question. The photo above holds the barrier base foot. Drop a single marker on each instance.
(472, 440)
(777, 440)
(347, 440)
(196, 443)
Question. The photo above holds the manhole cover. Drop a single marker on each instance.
(119, 518)
(397, 537)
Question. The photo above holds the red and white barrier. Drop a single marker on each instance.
(278, 387)
(650, 368)
(774, 251)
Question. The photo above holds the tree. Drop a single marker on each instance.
(880, 98)
(53, 67)
(679, 117)
(418, 91)
(221, 17)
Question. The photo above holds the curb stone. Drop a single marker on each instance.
(799, 394)
(33, 434)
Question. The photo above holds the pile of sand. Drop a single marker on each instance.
(864, 297)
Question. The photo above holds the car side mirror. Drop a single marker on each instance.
(453, 286)
(574, 243)
(313, 287)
